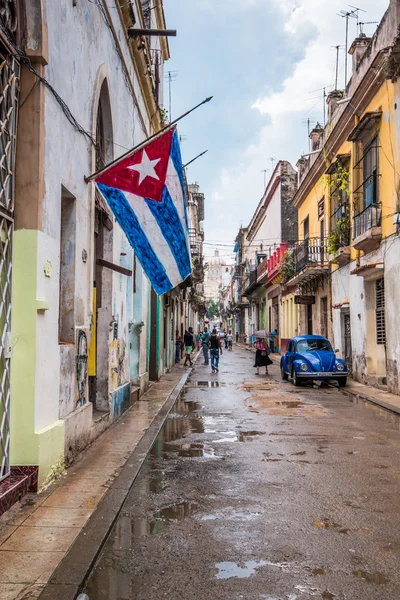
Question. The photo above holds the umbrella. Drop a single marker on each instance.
(261, 334)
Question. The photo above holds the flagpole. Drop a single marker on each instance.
(158, 133)
(195, 158)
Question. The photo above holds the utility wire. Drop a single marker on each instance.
(25, 62)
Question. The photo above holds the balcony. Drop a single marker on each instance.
(311, 260)
(367, 230)
(275, 264)
(251, 283)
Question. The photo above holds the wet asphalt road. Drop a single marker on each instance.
(256, 489)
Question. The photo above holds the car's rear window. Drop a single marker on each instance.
(310, 345)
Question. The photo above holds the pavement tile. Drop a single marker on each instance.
(63, 498)
(48, 539)
(31, 592)
(27, 567)
(46, 516)
(6, 531)
(10, 591)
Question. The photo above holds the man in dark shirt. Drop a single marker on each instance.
(189, 343)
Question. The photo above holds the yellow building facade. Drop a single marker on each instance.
(349, 214)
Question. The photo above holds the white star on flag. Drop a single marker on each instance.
(146, 168)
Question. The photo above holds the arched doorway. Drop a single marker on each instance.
(103, 250)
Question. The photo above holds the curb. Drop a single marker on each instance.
(70, 575)
(376, 401)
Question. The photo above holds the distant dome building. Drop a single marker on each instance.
(217, 275)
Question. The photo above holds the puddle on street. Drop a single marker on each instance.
(227, 570)
(283, 405)
(377, 578)
(195, 450)
(332, 526)
(210, 384)
(235, 515)
(247, 436)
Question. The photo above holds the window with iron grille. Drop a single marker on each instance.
(380, 311)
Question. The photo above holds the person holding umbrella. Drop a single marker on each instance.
(262, 351)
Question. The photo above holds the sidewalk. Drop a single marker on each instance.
(36, 535)
(374, 395)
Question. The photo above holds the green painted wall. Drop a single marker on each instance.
(29, 447)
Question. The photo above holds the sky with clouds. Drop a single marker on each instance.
(263, 61)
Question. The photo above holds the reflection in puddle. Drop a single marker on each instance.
(195, 450)
(210, 384)
(327, 524)
(246, 436)
(128, 527)
(226, 570)
(377, 578)
(238, 515)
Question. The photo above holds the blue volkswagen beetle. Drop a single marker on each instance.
(311, 357)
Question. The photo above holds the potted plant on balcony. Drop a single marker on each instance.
(338, 242)
(288, 269)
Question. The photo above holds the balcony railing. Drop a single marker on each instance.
(276, 261)
(311, 251)
(367, 219)
(250, 282)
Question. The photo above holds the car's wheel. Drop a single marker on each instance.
(342, 381)
(284, 375)
(296, 380)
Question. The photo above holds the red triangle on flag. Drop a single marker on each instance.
(144, 171)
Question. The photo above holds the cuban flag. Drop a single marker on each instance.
(146, 192)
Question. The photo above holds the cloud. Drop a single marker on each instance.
(314, 27)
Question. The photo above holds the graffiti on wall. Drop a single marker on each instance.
(82, 368)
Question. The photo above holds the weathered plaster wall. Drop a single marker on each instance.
(392, 299)
(81, 54)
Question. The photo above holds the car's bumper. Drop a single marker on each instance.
(321, 375)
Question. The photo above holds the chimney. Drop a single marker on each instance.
(315, 137)
(331, 100)
(357, 50)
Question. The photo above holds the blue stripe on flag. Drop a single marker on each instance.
(168, 220)
(137, 238)
(177, 162)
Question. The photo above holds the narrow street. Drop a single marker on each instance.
(257, 489)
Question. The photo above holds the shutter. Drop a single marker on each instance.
(380, 311)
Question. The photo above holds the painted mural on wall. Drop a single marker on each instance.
(82, 368)
(118, 363)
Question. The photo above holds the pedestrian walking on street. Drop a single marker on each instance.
(198, 340)
(178, 347)
(237, 337)
(229, 338)
(189, 343)
(272, 338)
(225, 340)
(215, 345)
(262, 352)
(205, 342)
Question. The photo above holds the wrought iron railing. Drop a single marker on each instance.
(367, 219)
(311, 251)
(250, 281)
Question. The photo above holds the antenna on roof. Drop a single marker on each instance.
(171, 76)
(348, 14)
(265, 177)
(308, 122)
(361, 25)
